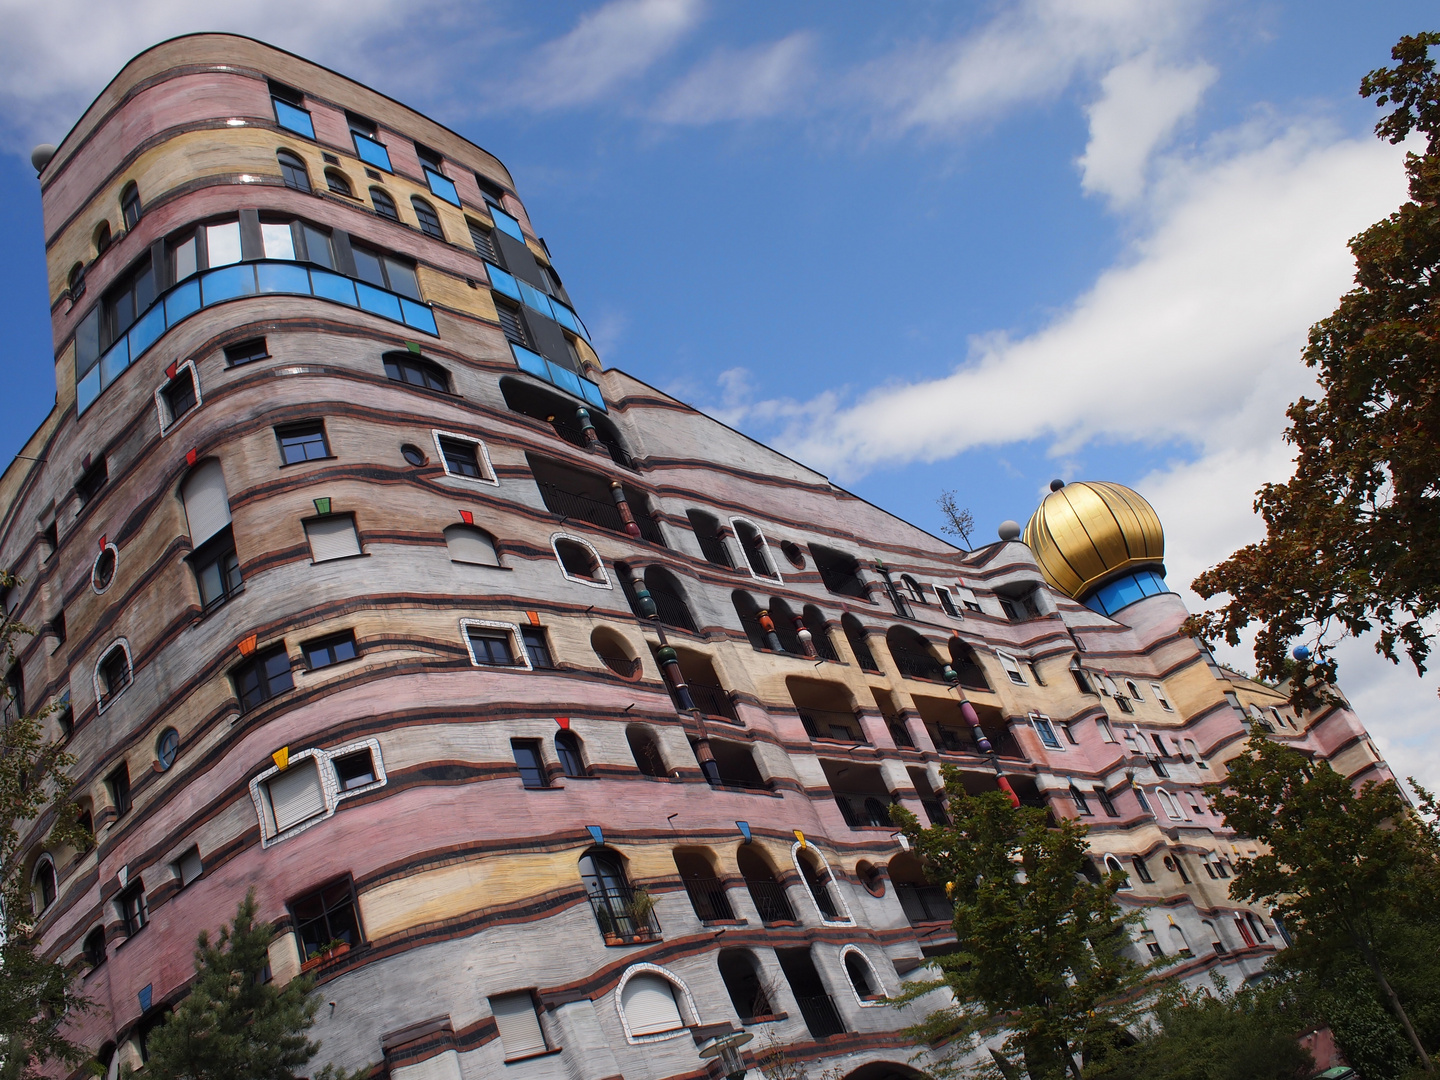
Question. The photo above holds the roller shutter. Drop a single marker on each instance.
(519, 1025)
(649, 1004)
(332, 538)
(207, 505)
(296, 794)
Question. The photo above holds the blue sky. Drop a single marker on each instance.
(917, 245)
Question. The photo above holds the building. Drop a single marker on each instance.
(554, 723)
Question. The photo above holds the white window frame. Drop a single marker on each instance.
(1011, 665)
(1173, 810)
(45, 857)
(686, 1003)
(968, 599)
(603, 583)
(1107, 734)
(101, 704)
(482, 454)
(764, 542)
(517, 643)
(1134, 688)
(329, 786)
(167, 422)
(849, 919)
(1054, 734)
(1113, 863)
(874, 974)
(95, 588)
(954, 610)
(1161, 698)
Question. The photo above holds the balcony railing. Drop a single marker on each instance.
(820, 1014)
(567, 504)
(770, 901)
(860, 811)
(707, 897)
(713, 700)
(672, 609)
(935, 811)
(925, 903)
(901, 735)
(715, 550)
(623, 666)
(818, 723)
(917, 665)
(618, 918)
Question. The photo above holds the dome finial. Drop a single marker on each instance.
(1009, 530)
(1056, 485)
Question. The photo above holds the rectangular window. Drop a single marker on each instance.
(264, 676)
(1106, 735)
(518, 1023)
(480, 237)
(946, 604)
(1159, 744)
(527, 760)
(1159, 767)
(183, 260)
(91, 481)
(1195, 754)
(134, 912)
(386, 272)
(334, 649)
(1082, 804)
(442, 186)
(1106, 803)
(302, 442)
(537, 647)
(492, 648)
(368, 147)
(1140, 798)
(1124, 703)
(278, 240)
(296, 794)
(317, 246)
(179, 394)
(1012, 668)
(461, 458)
(1160, 697)
(293, 119)
(222, 244)
(355, 770)
(217, 569)
(189, 867)
(1069, 734)
(1142, 870)
(246, 352)
(332, 537)
(1046, 731)
(118, 783)
(1148, 937)
(326, 916)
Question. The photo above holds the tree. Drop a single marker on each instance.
(38, 995)
(1339, 864)
(1351, 540)
(235, 1024)
(958, 519)
(1043, 949)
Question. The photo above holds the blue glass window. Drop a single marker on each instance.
(227, 284)
(505, 223)
(283, 278)
(183, 300)
(372, 152)
(555, 375)
(1124, 591)
(147, 330)
(293, 119)
(379, 301)
(529, 361)
(500, 281)
(333, 287)
(533, 297)
(443, 187)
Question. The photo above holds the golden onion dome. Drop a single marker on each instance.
(1091, 530)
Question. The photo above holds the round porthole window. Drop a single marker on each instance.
(793, 553)
(413, 454)
(103, 572)
(166, 747)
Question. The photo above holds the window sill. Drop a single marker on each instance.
(538, 1054)
(342, 558)
(547, 787)
(307, 461)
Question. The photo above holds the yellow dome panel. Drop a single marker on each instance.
(1090, 530)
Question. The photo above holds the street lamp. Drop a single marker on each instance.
(727, 1049)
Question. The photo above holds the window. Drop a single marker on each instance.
(1142, 869)
(292, 170)
(91, 481)
(426, 216)
(384, 205)
(1159, 744)
(217, 569)
(491, 647)
(246, 352)
(512, 322)
(1081, 803)
(471, 545)
(840, 572)
(102, 238)
(946, 604)
(57, 627)
(385, 271)
(1140, 798)
(1160, 697)
(567, 749)
(76, 281)
(295, 794)
(1124, 703)
(302, 442)
(414, 455)
(481, 238)
(130, 205)
(645, 750)
(113, 673)
(118, 785)
(752, 542)
(335, 649)
(1103, 726)
(264, 676)
(1106, 803)
(332, 537)
(1012, 668)
(316, 243)
(1148, 937)
(1195, 754)
(326, 916)
(189, 867)
(355, 770)
(1112, 866)
(1134, 690)
(464, 457)
(579, 560)
(415, 371)
(338, 185)
(368, 147)
(528, 761)
(167, 748)
(43, 886)
(518, 1024)
(95, 947)
(537, 647)
(1045, 730)
(862, 977)
(289, 113)
(134, 913)
(649, 1006)
(178, 395)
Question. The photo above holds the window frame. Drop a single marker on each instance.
(164, 407)
(288, 170)
(839, 897)
(482, 458)
(540, 773)
(329, 786)
(255, 662)
(337, 183)
(235, 358)
(603, 582)
(328, 641)
(1011, 666)
(320, 890)
(684, 1002)
(775, 574)
(1159, 691)
(295, 429)
(103, 699)
(305, 524)
(377, 194)
(526, 633)
(137, 918)
(882, 999)
(427, 218)
(422, 364)
(118, 787)
(519, 655)
(210, 553)
(1053, 741)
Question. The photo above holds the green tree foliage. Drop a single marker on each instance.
(234, 1024)
(1044, 951)
(38, 995)
(1199, 1034)
(1353, 874)
(1353, 539)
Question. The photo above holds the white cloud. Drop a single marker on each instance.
(1141, 103)
(607, 47)
(763, 80)
(1029, 51)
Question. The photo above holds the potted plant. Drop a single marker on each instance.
(332, 948)
(642, 906)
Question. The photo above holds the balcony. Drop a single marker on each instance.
(770, 900)
(621, 920)
(831, 724)
(820, 1014)
(714, 550)
(708, 898)
(713, 700)
(864, 811)
(925, 903)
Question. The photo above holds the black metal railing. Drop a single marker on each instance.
(901, 735)
(715, 550)
(914, 665)
(707, 897)
(619, 454)
(925, 903)
(649, 530)
(953, 741)
(770, 901)
(863, 654)
(1002, 742)
(818, 723)
(824, 647)
(567, 504)
(860, 811)
(971, 676)
(619, 916)
(569, 429)
(935, 811)
(672, 610)
(623, 666)
(901, 605)
(748, 784)
(820, 1014)
(713, 700)
(829, 911)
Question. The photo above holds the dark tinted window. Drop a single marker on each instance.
(384, 205)
(461, 458)
(429, 220)
(337, 183)
(324, 916)
(415, 371)
(527, 759)
(355, 770)
(293, 171)
(91, 481)
(537, 647)
(302, 442)
(118, 783)
(179, 394)
(245, 352)
(217, 569)
(262, 677)
(492, 647)
(330, 650)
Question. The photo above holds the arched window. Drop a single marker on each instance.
(428, 219)
(669, 599)
(757, 553)
(914, 588)
(579, 560)
(1112, 866)
(468, 544)
(712, 544)
(962, 659)
(1179, 941)
(112, 673)
(743, 981)
(645, 748)
(336, 182)
(567, 749)
(43, 884)
(650, 1001)
(292, 170)
(94, 947)
(863, 979)
(416, 371)
(615, 652)
(384, 205)
(819, 634)
(766, 891)
(912, 655)
(102, 238)
(77, 281)
(820, 882)
(1134, 690)
(749, 612)
(859, 643)
(130, 209)
(618, 910)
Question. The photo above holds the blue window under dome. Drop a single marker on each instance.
(1126, 590)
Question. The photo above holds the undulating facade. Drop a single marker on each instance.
(554, 724)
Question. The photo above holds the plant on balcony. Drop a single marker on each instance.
(642, 907)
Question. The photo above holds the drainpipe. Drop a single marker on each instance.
(807, 639)
(767, 624)
(587, 427)
(626, 514)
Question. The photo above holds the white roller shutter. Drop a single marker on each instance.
(332, 538)
(296, 794)
(649, 1004)
(519, 1026)
(469, 545)
(207, 505)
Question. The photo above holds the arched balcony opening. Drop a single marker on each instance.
(826, 709)
(962, 659)
(706, 689)
(816, 1005)
(615, 652)
(784, 619)
(752, 543)
(645, 748)
(820, 883)
(740, 971)
(703, 885)
(622, 912)
(749, 613)
(669, 599)
(921, 901)
(819, 634)
(561, 414)
(712, 542)
(859, 642)
(913, 655)
(930, 799)
(763, 884)
(860, 793)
